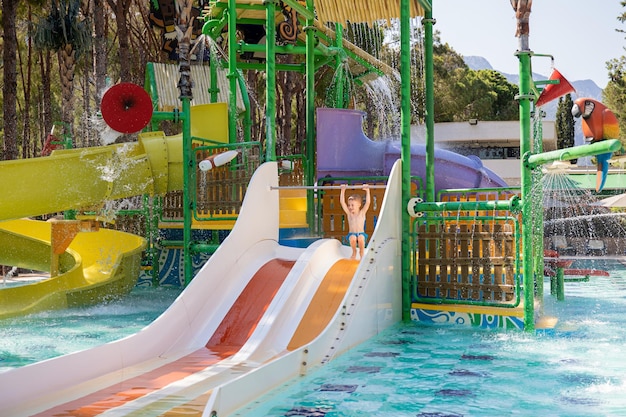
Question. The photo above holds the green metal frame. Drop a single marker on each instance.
(528, 93)
(317, 55)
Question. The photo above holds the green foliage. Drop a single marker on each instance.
(449, 71)
(462, 93)
(487, 95)
(63, 26)
(614, 95)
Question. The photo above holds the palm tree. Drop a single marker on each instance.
(68, 33)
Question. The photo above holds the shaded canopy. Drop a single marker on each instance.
(363, 11)
(327, 11)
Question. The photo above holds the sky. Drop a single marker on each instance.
(580, 34)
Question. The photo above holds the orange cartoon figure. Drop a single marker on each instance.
(599, 123)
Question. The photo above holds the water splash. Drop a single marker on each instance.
(106, 135)
(383, 104)
(111, 208)
(119, 162)
(341, 87)
(574, 213)
(379, 96)
(12, 272)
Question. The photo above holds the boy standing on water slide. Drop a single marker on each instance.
(355, 212)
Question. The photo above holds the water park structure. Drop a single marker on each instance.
(449, 241)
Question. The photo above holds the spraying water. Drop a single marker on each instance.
(574, 213)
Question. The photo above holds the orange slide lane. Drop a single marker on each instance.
(323, 307)
(325, 303)
(236, 327)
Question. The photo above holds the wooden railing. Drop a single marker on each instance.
(466, 262)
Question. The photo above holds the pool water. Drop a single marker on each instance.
(576, 369)
(36, 337)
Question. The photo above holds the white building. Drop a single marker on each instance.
(495, 143)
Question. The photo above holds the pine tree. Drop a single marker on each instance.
(565, 123)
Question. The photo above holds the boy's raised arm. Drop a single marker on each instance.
(342, 198)
(368, 198)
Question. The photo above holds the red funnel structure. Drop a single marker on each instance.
(553, 91)
(126, 108)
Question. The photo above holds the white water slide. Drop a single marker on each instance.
(256, 315)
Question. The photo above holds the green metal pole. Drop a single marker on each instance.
(310, 114)
(247, 122)
(605, 146)
(204, 248)
(306, 11)
(260, 66)
(214, 88)
(173, 116)
(189, 186)
(537, 204)
(290, 49)
(213, 28)
(405, 153)
(150, 86)
(430, 104)
(339, 74)
(232, 71)
(560, 284)
(189, 173)
(525, 97)
(270, 81)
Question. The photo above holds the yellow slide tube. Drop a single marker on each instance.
(97, 265)
(86, 177)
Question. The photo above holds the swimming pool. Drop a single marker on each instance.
(409, 370)
(576, 369)
(36, 337)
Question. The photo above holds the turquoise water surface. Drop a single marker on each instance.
(33, 338)
(576, 369)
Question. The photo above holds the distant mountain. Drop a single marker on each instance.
(477, 63)
(584, 88)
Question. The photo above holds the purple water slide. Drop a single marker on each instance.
(343, 150)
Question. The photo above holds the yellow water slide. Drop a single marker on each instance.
(98, 263)
(97, 266)
(86, 177)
